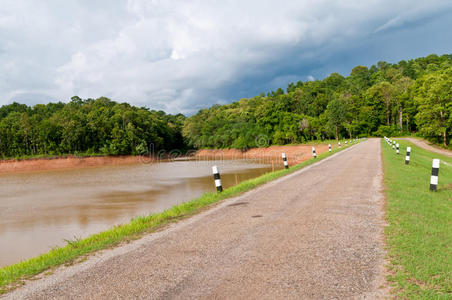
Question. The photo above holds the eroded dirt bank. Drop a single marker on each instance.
(295, 153)
(41, 164)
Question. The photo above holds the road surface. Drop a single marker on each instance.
(426, 146)
(314, 234)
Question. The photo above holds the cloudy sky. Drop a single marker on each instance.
(180, 56)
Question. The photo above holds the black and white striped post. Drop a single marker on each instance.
(408, 153)
(216, 177)
(313, 153)
(345, 143)
(397, 148)
(434, 177)
(329, 147)
(284, 158)
(339, 144)
(393, 145)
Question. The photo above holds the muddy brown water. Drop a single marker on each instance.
(42, 210)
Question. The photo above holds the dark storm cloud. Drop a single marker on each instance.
(180, 56)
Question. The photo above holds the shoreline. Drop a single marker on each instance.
(295, 154)
(65, 162)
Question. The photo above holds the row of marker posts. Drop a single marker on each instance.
(216, 173)
(435, 163)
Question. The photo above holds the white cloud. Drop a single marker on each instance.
(178, 55)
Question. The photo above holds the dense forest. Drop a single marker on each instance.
(385, 99)
(86, 127)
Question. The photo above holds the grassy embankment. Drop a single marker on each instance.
(419, 235)
(12, 276)
(54, 156)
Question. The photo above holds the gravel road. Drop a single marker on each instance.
(426, 146)
(315, 234)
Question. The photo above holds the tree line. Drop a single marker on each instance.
(86, 127)
(385, 99)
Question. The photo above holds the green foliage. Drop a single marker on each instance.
(336, 115)
(434, 99)
(379, 100)
(385, 99)
(89, 126)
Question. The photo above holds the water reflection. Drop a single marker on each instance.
(40, 210)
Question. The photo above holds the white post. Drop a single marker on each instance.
(408, 153)
(434, 177)
(313, 152)
(216, 177)
(329, 147)
(284, 158)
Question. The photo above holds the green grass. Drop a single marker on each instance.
(419, 235)
(12, 276)
(54, 156)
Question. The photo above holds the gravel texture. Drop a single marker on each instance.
(429, 147)
(314, 234)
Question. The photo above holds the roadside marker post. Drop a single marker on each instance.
(397, 148)
(408, 153)
(345, 143)
(313, 152)
(434, 177)
(216, 177)
(329, 147)
(339, 144)
(284, 158)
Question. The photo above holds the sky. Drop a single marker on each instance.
(181, 56)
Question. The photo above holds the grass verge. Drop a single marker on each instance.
(13, 275)
(419, 235)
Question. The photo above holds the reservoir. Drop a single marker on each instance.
(40, 210)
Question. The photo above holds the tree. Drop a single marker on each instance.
(85, 126)
(336, 115)
(434, 116)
